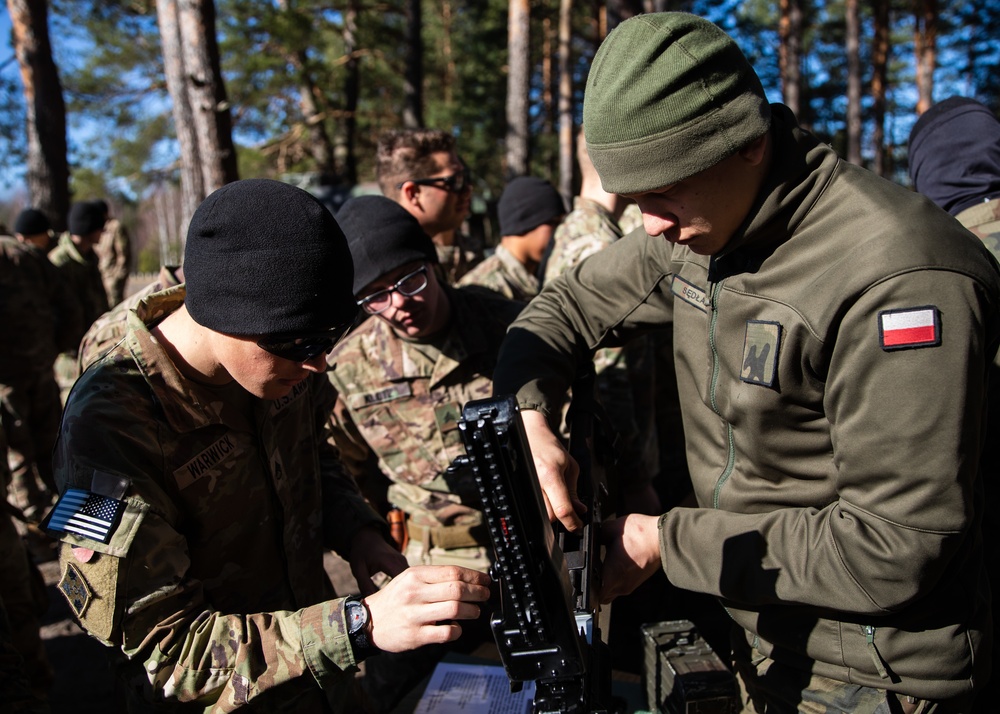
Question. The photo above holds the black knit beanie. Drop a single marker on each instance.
(86, 217)
(954, 153)
(383, 236)
(265, 258)
(526, 203)
(31, 222)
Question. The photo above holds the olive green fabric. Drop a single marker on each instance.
(669, 95)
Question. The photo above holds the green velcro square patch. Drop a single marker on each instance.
(760, 353)
(74, 586)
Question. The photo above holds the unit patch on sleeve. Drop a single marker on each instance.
(86, 514)
(76, 589)
(909, 328)
(760, 353)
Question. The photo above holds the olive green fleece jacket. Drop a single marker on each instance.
(837, 481)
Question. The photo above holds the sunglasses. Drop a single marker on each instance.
(303, 347)
(455, 183)
(408, 286)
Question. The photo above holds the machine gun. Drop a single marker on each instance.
(548, 629)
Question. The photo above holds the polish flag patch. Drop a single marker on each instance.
(909, 328)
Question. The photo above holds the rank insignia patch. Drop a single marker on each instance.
(75, 588)
(760, 353)
(909, 328)
(86, 514)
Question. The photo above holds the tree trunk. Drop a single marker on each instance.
(314, 113)
(518, 64)
(566, 144)
(48, 168)
(207, 93)
(880, 73)
(200, 109)
(925, 15)
(413, 77)
(790, 53)
(853, 83)
(346, 156)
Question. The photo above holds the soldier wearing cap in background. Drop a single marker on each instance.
(833, 333)
(78, 267)
(420, 170)
(33, 317)
(200, 488)
(529, 210)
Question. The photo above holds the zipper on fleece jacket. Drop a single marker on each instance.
(869, 631)
(731, 458)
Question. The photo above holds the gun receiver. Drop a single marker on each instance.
(547, 630)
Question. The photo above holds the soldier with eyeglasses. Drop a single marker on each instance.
(403, 376)
(420, 170)
(200, 486)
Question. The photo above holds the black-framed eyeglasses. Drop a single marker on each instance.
(303, 347)
(455, 183)
(408, 285)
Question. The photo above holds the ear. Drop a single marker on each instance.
(754, 152)
(409, 194)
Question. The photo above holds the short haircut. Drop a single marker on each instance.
(405, 154)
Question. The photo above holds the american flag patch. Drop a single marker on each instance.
(909, 328)
(87, 514)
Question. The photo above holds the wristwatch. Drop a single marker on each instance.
(359, 628)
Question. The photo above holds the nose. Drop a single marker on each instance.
(656, 224)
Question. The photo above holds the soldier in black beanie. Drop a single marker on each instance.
(198, 448)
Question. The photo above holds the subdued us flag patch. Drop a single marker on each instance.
(909, 328)
(86, 514)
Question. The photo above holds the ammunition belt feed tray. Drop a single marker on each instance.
(539, 636)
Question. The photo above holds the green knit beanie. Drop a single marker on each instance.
(669, 95)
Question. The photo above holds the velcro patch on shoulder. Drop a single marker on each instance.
(909, 328)
(87, 514)
(760, 352)
(76, 589)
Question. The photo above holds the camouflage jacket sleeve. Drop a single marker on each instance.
(146, 590)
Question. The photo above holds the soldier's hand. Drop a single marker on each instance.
(372, 554)
(422, 604)
(557, 471)
(632, 554)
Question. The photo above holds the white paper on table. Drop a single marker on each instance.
(473, 689)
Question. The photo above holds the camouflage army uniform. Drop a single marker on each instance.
(503, 273)
(624, 374)
(114, 252)
(31, 301)
(211, 584)
(401, 401)
(110, 328)
(454, 261)
(82, 280)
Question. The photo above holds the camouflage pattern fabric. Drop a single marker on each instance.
(504, 274)
(454, 261)
(30, 304)
(82, 280)
(111, 327)
(114, 252)
(400, 403)
(211, 583)
(624, 374)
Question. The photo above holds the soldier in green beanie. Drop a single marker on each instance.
(832, 334)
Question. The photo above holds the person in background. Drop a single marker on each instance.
(114, 251)
(833, 333)
(420, 170)
(529, 210)
(77, 265)
(33, 311)
(199, 487)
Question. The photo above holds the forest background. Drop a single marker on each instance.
(152, 104)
